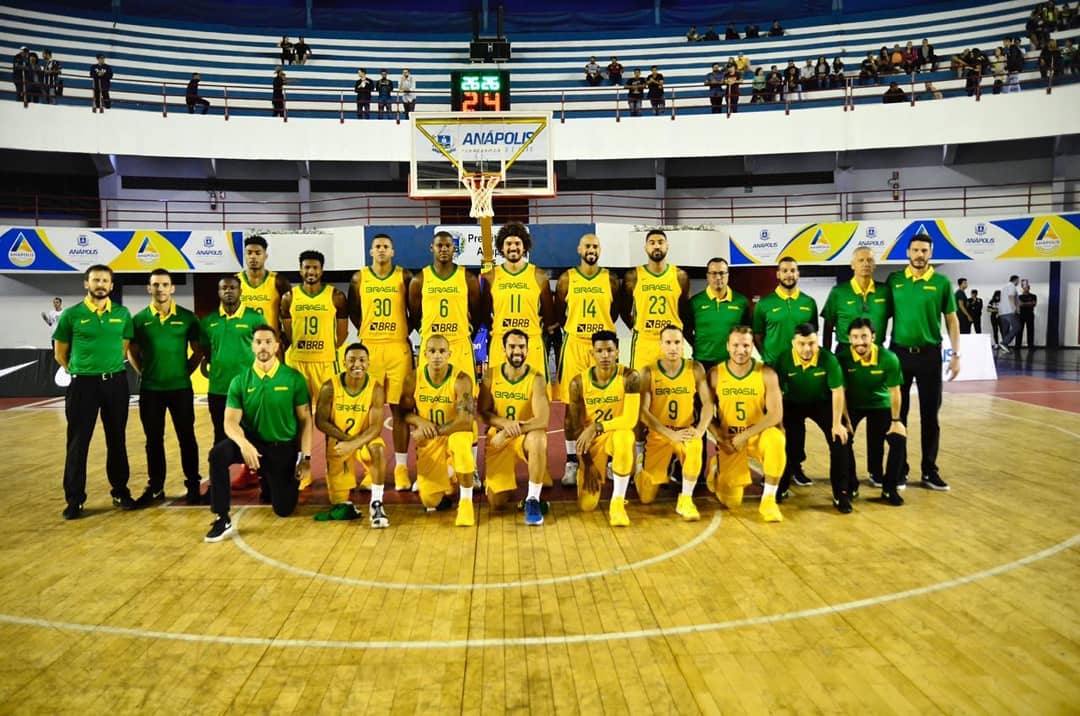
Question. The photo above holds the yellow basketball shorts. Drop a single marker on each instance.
(658, 453)
(617, 446)
(315, 374)
(766, 447)
(576, 358)
(644, 350)
(436, 458)
(535, 358)
(392, 361)
(500, 463)
(340, 470)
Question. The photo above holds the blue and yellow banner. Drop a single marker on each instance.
(62, 249)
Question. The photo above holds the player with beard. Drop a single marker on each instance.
(586, 301)
(777, 314)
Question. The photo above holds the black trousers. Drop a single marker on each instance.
(717, 104)
(192, 101)
(216, 404)
(1027, 325)
(102, 98)
(976, 322)
(277, 468)
(86, 397)
(995, 327)
(965, 324)
(363, 109)
(878, 423)
(180, 404)
(923, 365)
(795, 416)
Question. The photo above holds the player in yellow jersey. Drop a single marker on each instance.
(749, 411)
(519, 295)
(513, 402)
(668, 389)
(349, 412)
(378, 307)
(601, 417)
(438, 403)
(315, 320)
(586, 301)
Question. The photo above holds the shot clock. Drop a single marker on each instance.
(480, 91)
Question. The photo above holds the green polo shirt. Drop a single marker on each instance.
(808, 382)
(96, 337)
(866, 385)
(918, 306)
(227, 342)
(163, 343)
(269, 400)
(713, 320)
(846, 303)
(775, 317)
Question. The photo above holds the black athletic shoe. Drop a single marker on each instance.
(855, 492)
(892, 498)
(194, 496)
(73, 512)
(800, 479)
(843, 504)
(874, 481)
(125, 502)
(220, 530)
(782, 495)
(149, 497)
(933, 481)
(445, 504)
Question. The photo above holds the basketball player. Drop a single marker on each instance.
(514, 404)
(315, 320)
(378, 298)
(668, 388)
(260, 289)
(437, 401)
(349, 413)
(586, 301)
(601, 417)
(749, 411)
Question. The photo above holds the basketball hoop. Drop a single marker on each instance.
(481, 187)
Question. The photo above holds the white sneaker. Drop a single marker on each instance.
(415, 486)
(569, 478)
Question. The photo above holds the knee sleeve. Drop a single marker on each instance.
(691, 458)
(622, 452)
(460, 445)
(773, 457)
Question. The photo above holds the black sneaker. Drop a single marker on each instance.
(125, 502)
(843, 504)
(195, 497)
(892, 498)
(221, 529)
(874, 481)
(800, 479)
(444, 504)
(73, 512)
(782, 495)
(379, 520)
(149, 497)
(855, 492)
(933, 481)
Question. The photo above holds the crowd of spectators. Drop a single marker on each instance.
(37, 79)
(750, 32)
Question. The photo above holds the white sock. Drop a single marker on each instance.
(466, 494)
(474, 449)
(621, 482)
(534, 490)
(638, 449)
(688, 486)
(571, 449)
(377, 493)
(402, 458)
(768, 491)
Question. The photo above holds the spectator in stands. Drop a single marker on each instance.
(301, 52)
(1068, 58)
(792, 86)
(776, 30)
(635, 92)
(731, 33)
(758, 86)
(774, 84)
(910, 59)
(930, 92)
(52, 80)
(1066, 17)
(384, 91)
(821, 73)
(278, 97)
(717, 88)
(970, 59)
(654, 83)
(692, 34)
(731, 83)
(1037, 30)
(752, 32)
(1014, 55)
(894, 95)
(34, 88)
(1012, 83)
(407, 92)
(742, 63)
(592, 72)
(286, 50)
(974, 79)
(19, 66)
(1049, 60)
(191, 95)
(711, 35)
(896, 58)
(868, 70)
(614, 71)
(363, 87)
(997, 66)
(927, 56)
(808, 76)
(837, 80)
(101, 76)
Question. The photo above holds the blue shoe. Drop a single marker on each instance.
(534, 516)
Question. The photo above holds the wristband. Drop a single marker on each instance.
(897, 420)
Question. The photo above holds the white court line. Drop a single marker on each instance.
(549, 640)
(611, 571)
(1037, 422)
(40, 404)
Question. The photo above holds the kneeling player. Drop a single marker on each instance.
(349, 413)
(601, 417)
(514, 404)
(437, 402)
(668, 388)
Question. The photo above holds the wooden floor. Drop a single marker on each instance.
(955, 603)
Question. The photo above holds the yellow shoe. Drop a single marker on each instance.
(617, 516)
(730, 497)
(305, 481)
(365, 484)
(401, 478)
(712, 472)
(770, 511)
(687, 509)
(465, 516)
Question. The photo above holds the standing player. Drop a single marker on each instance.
(349, 413)
(862, 296)
(437, 401)
(601, 417)
(749, 411)
(260, 289)
(667, 409)
(378, 307)
(777, 314)
(514, 404)
(586, 301)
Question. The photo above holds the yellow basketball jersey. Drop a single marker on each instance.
(436, 402)
(314, 326)
(382, 307)
(515, 299)
(656, 300)
(588, 304)
(445, 306)
(673, 397)
(740, 401)
(513, 399)
(603, 402)
(352, 412)
(263, 298)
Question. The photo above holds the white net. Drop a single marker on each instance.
(481, 187)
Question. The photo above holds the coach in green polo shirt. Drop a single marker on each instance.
(872, 380)
(90, 341)
(920, 298)
(159, 352)
(776, 315)
(268, 426)
(715, 311)
(813, 387)
(861, 296)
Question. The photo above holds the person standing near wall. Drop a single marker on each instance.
(1026, 302)
(1009, 315)
(975, 308)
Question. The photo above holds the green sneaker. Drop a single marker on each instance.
(342, 511)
